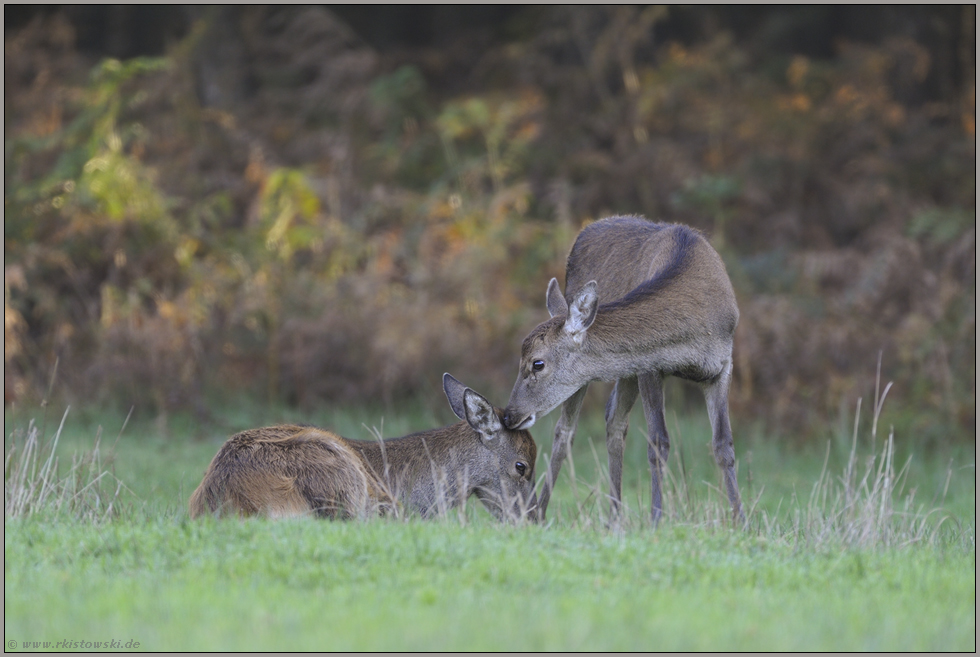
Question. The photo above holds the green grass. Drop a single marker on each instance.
(177, 585)
(772, 472)
(794, 580)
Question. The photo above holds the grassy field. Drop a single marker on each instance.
(852, 555)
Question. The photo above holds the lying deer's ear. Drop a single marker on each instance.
(454, 392)
(582, 312)
(481, 416)
(555, 300)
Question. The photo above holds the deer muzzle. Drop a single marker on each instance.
(516, 422)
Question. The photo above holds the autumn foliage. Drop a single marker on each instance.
(342, 229)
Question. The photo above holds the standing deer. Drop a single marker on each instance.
(290, 470)
(642, 301)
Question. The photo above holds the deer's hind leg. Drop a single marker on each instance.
(722, 443)
(651, 386)
(617, 424)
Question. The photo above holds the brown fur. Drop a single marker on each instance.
(290, 470)
(642, 301)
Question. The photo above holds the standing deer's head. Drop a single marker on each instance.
(550, 354)
(502, 473)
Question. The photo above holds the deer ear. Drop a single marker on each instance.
(582, 312)
(454, 392)
(481, 416)
(556, 300)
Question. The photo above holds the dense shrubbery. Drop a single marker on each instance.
(305, 219)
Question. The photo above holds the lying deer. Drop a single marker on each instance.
(642, 301)
(291, 470)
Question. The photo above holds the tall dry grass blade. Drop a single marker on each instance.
(123, 427)
(604, 482)
(33, 481)
(46, 469)
(879, 402)
(852, 458)
(382, 478)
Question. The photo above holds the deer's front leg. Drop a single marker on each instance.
(564, 435)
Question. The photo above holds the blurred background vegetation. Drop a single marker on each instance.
(320, 206)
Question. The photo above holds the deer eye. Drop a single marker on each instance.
(537, 365)
(521, 468)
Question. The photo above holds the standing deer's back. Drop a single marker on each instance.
(654, 282)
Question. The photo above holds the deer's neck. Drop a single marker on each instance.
(635, 328)
(416, 459)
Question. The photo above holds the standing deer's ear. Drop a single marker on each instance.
(582, 312)
(481, 416)
(556, 300)
(454, 392)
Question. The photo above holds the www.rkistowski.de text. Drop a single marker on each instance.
(74, 644)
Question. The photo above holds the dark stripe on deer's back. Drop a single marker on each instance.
(682, 251)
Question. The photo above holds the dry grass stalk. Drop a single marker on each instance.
(867, 508)
(33, 482)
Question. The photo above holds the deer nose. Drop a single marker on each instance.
(516, 423)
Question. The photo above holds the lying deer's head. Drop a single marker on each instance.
(502, 473)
